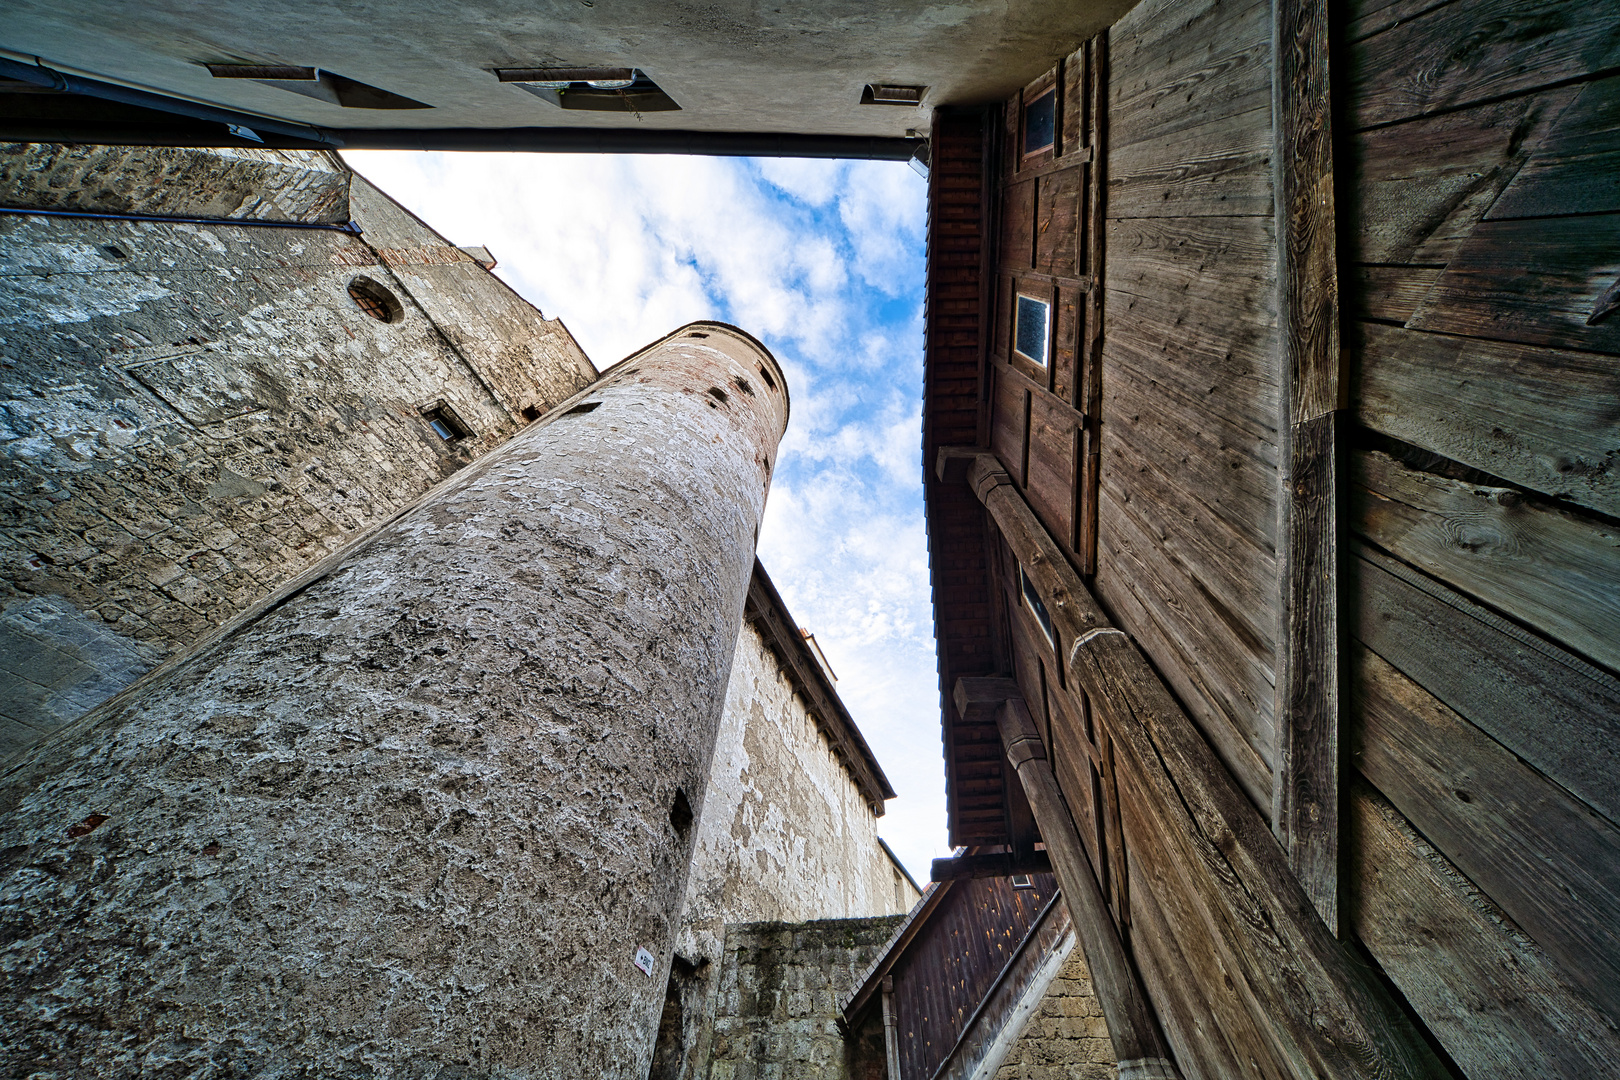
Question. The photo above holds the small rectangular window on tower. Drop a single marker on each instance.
(1040, 123)
(1032, 328)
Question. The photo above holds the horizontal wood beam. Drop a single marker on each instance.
(1322, 1009)
(997, 865)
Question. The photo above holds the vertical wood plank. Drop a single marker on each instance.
(1305, 804)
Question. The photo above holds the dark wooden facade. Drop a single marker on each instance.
(1329, 428)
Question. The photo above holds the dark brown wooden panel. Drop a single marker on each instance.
(1017, 238)
(1060, 206)
(1540, 417)
(1053, 465)
(1555, 712)
(1459, 53)
(1549, 568)
(1419, 188)
(1008, 418)
(1535, 281)
(1066, 315)
(1493, 999)
(1509, 829)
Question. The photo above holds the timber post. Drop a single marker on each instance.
(1138, 1046)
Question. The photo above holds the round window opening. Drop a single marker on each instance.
(375, 300)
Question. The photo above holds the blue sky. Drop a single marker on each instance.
(823, 261)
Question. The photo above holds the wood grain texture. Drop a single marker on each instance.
(1460, 53)
(1017, 247)
(1390, 293)
(1230, 261)
(1576, 169)
(1534, 281)
(1497, 1003)
(1059, 210)
(1543, 418)
(1558, 714)
(1220, 169)
(1417, 189)
(1547, 860)
(1305, 808)
(1321, 1011)
(1551, 569)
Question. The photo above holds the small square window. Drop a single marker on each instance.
(1040, 123)
(1033, 327)
(1023, 881)
(1033, 599)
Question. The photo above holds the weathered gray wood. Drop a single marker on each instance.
(1240, 573)
(1184, 94)
(1493, 999)
(1390, 293)
(1230, 473)
(1459, 53)
(1159, 33)
(1219, 169)
(1530, 280)
(1557, 713)
(1321, 1010)
(1117, 587)
(1543, 418)
(1420, 187)
(1229, 261)
(1200, 359)
(1552, 569)
(1367, 17)
(1551, 864)
(1229, 670)
(1576, 169)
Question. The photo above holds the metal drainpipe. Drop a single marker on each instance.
(891, 1036)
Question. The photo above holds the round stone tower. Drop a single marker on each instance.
(428, 813)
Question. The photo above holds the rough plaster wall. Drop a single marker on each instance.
(785, 834)
(1066, 1038)
(270, 185)
(416, 816)
(190, 416)
(777, 1002)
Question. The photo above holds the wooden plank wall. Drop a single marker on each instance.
(1483, 211)
(1188, 515)
(953, 963)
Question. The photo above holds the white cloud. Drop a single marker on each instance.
(823, 261)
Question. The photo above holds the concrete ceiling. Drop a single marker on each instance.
(732, 65)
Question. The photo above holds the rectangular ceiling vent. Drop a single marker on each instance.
(888, 94)
(314, 83)
(597, 89)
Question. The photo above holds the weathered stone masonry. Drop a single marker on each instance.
(418, 814)
(191, 415)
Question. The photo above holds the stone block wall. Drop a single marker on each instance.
(1066, 1037)
(779, 989)
(191, 415)
(785, 834)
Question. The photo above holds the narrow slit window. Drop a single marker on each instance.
(1036, 607)
(1032, 328)
(1040, 123)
